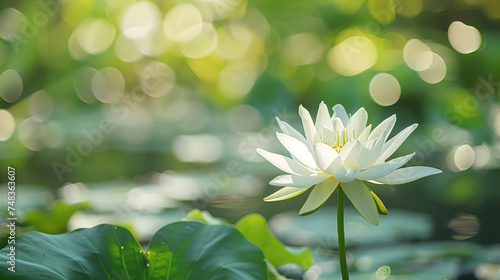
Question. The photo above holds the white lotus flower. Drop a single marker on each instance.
(343, 150)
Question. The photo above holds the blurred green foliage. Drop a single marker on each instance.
(53, 220)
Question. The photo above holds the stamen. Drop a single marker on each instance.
(341, 139)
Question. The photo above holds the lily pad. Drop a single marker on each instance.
(96, 253)
(182, 250)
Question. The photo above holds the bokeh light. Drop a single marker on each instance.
(74, 48)
(30, 134)
(154, 45)
(234, 41)
(464, 38)
(382, 10)
(197, 148)
(142, 200)
(108, 84)
(82, 84)
(40, 105)
(11, 24)
(11, 85)
(236, 80)
(487, 270)
(140, 20)
(352, 56)
(482, 156)
(410, 8)
(302, 49)
(417, 55)
(179, 187)
(462, 157)
(156, 78)
(201, 45)
(183, 23)
(436, 71)
(7, 125)
(494, 119)
(385, 89)
(126, 50)
(95, 35)
(73, 192)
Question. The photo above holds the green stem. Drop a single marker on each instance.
(340, 231)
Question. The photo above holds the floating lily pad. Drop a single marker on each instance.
(182, 250)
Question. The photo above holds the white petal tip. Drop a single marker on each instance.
(261, 152)
(433, 171)
(274, 183)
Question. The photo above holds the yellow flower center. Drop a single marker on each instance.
(339, 141)
(337, 148)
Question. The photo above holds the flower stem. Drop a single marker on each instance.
(340, 231)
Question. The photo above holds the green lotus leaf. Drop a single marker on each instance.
(182, 250)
